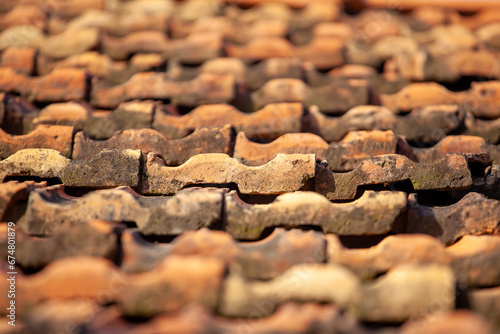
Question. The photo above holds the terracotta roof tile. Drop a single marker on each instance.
(373, 213)
(474, 214)
(392, 168)
(216, 168)
(365, 174)
(48, 210)
(109, 168)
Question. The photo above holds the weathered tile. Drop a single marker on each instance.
(204, 89)
(487, 34)
(192, 319)
(189, 209)
(297, 318)
(451, 172)
(373, 213)
(476, 259)
(407, 291)
(466, 6)
(343, 156)
(487, 184)
(17, 114)
(420, 66)
(480, 18)
(285, 173)
(21, 60)
(256, 154)
(173, 151)
(482, 99)
(446, 39)
(160, 290)
(449, 144)
(70, 42)
(94, 238)
(472, 215)
(23, 14)
(59, 85)
(55, 137)
(196, 48)
(142, 41)
(99, 124)
(109, 168)
(486, 302)
(101, 66)
(488, 129)
(459, 322)
(68, 278)
(13, 191)
(128, 115)
(72, 8)
(394, 250)
(305, 283)
(72, 114)
(269, 122)
(58, 316)
(272, 68)
(264, 259)
(22, 36)
(221, 66)
(375, 53)
(430, 123)
(288, 318)
(337, 97)
(322, 52)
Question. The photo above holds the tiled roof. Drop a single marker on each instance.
(249, 166)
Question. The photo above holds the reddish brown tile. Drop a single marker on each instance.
(269, 122)
(474, 214)
(451, 172)
(55, 137)
(110, 168)
(373, 213)
(173, 151)
(216, 168)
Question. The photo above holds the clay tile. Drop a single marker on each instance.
(217, 168)
(336, 97)
(205, 89)
(144, 41)
(70, 42)
(109, 168)
(393, 168)
(95, 238)
(459, 322)
(394, 250)
(252, 299)
(474, 214)
(173, 151)
(261, 48)
(23, 14)
(160, 290)
(485, 302)
(449, 144)
(59, 85)
(306, 208)
(23, 36)
(474, 260)
(54, 137)
(153, 216)
(269, 122)
(21, 60)
(13, 191)
(407, 290)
